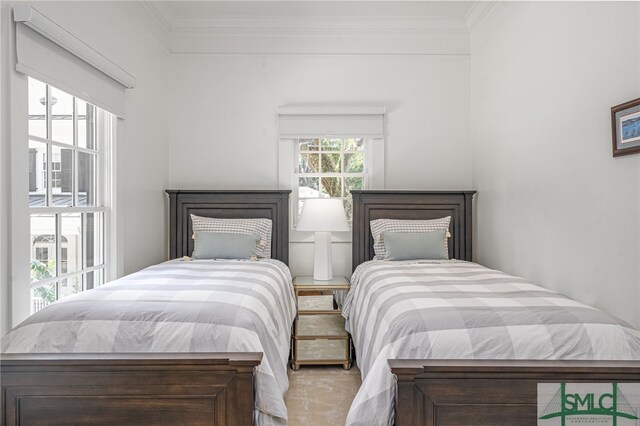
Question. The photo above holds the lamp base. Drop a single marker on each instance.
(322, 270)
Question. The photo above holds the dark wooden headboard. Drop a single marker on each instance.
(226, 204)
(369, 205)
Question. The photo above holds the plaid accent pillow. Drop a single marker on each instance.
(261, 227)
(379, 226)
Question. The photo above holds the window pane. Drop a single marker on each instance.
(86, 124)
(331, 163)
(308, 187)
(61, 177)
(331, 187)
(37, 108)
(61, 116)
(354, 163)
(331, 144)
(309, 144)
(87, 177)
(352, 144)
(71, 243)
(42, 296)
(69, 286)
(43, 247)
(352, 183)
(94, 236)
(37, 174)
(94, 279)
(309, 163)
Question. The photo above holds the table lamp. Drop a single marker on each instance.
(323, 216)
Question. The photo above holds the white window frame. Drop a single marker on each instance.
(366, 173)
(104, 154)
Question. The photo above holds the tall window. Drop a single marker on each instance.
(69, 175)
(330, 168)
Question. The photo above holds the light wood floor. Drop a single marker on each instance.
(321, 396)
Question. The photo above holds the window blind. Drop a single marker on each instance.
(49, 53)
(340, 121)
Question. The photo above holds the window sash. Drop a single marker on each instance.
(67, 275)
(98, 176)
(365, 174)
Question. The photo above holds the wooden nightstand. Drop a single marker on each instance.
(319, 337)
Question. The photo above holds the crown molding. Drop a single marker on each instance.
(146, 14)
(477, 14)
(159, 12)
(252, 25)
(307, 34)
(486, 18)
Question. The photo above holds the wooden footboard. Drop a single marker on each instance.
(489, 392)
(140, 388)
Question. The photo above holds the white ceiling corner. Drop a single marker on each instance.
(159, 11)
(477, 14)
(145, 14)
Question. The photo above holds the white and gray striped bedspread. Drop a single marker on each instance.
(180, 306)
(461, 310)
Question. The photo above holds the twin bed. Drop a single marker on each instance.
(453, 343)
(438, 342)
(199, 341)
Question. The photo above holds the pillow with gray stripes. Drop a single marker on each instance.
(379, 226)
(260, 227)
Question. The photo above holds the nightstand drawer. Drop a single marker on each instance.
(315, 303)
(320, 325)
(322, 350)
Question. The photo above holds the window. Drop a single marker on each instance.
(42, 254)
(328, 151)
(330, 168)
(69, 175)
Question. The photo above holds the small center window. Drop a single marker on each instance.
(330, 168)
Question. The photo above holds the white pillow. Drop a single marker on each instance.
(379, 226)
(261, 227)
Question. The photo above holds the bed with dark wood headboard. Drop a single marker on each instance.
(226, 204)
(369, 205)
(463, 392)
(149, 388)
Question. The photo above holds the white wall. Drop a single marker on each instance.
(5, 184)
(553, 205)
(142, 166)
(224, 119)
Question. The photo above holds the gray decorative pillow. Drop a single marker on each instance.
(210, 245)
(260, 227)
(412, 246)
(379, 226)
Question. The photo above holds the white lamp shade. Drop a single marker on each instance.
(323, 215)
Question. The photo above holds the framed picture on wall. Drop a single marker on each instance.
(625, 126)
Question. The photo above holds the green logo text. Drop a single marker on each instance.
(610, 404)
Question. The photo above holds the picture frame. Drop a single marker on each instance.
(625, 127)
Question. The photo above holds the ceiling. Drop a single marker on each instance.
(172, 10)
